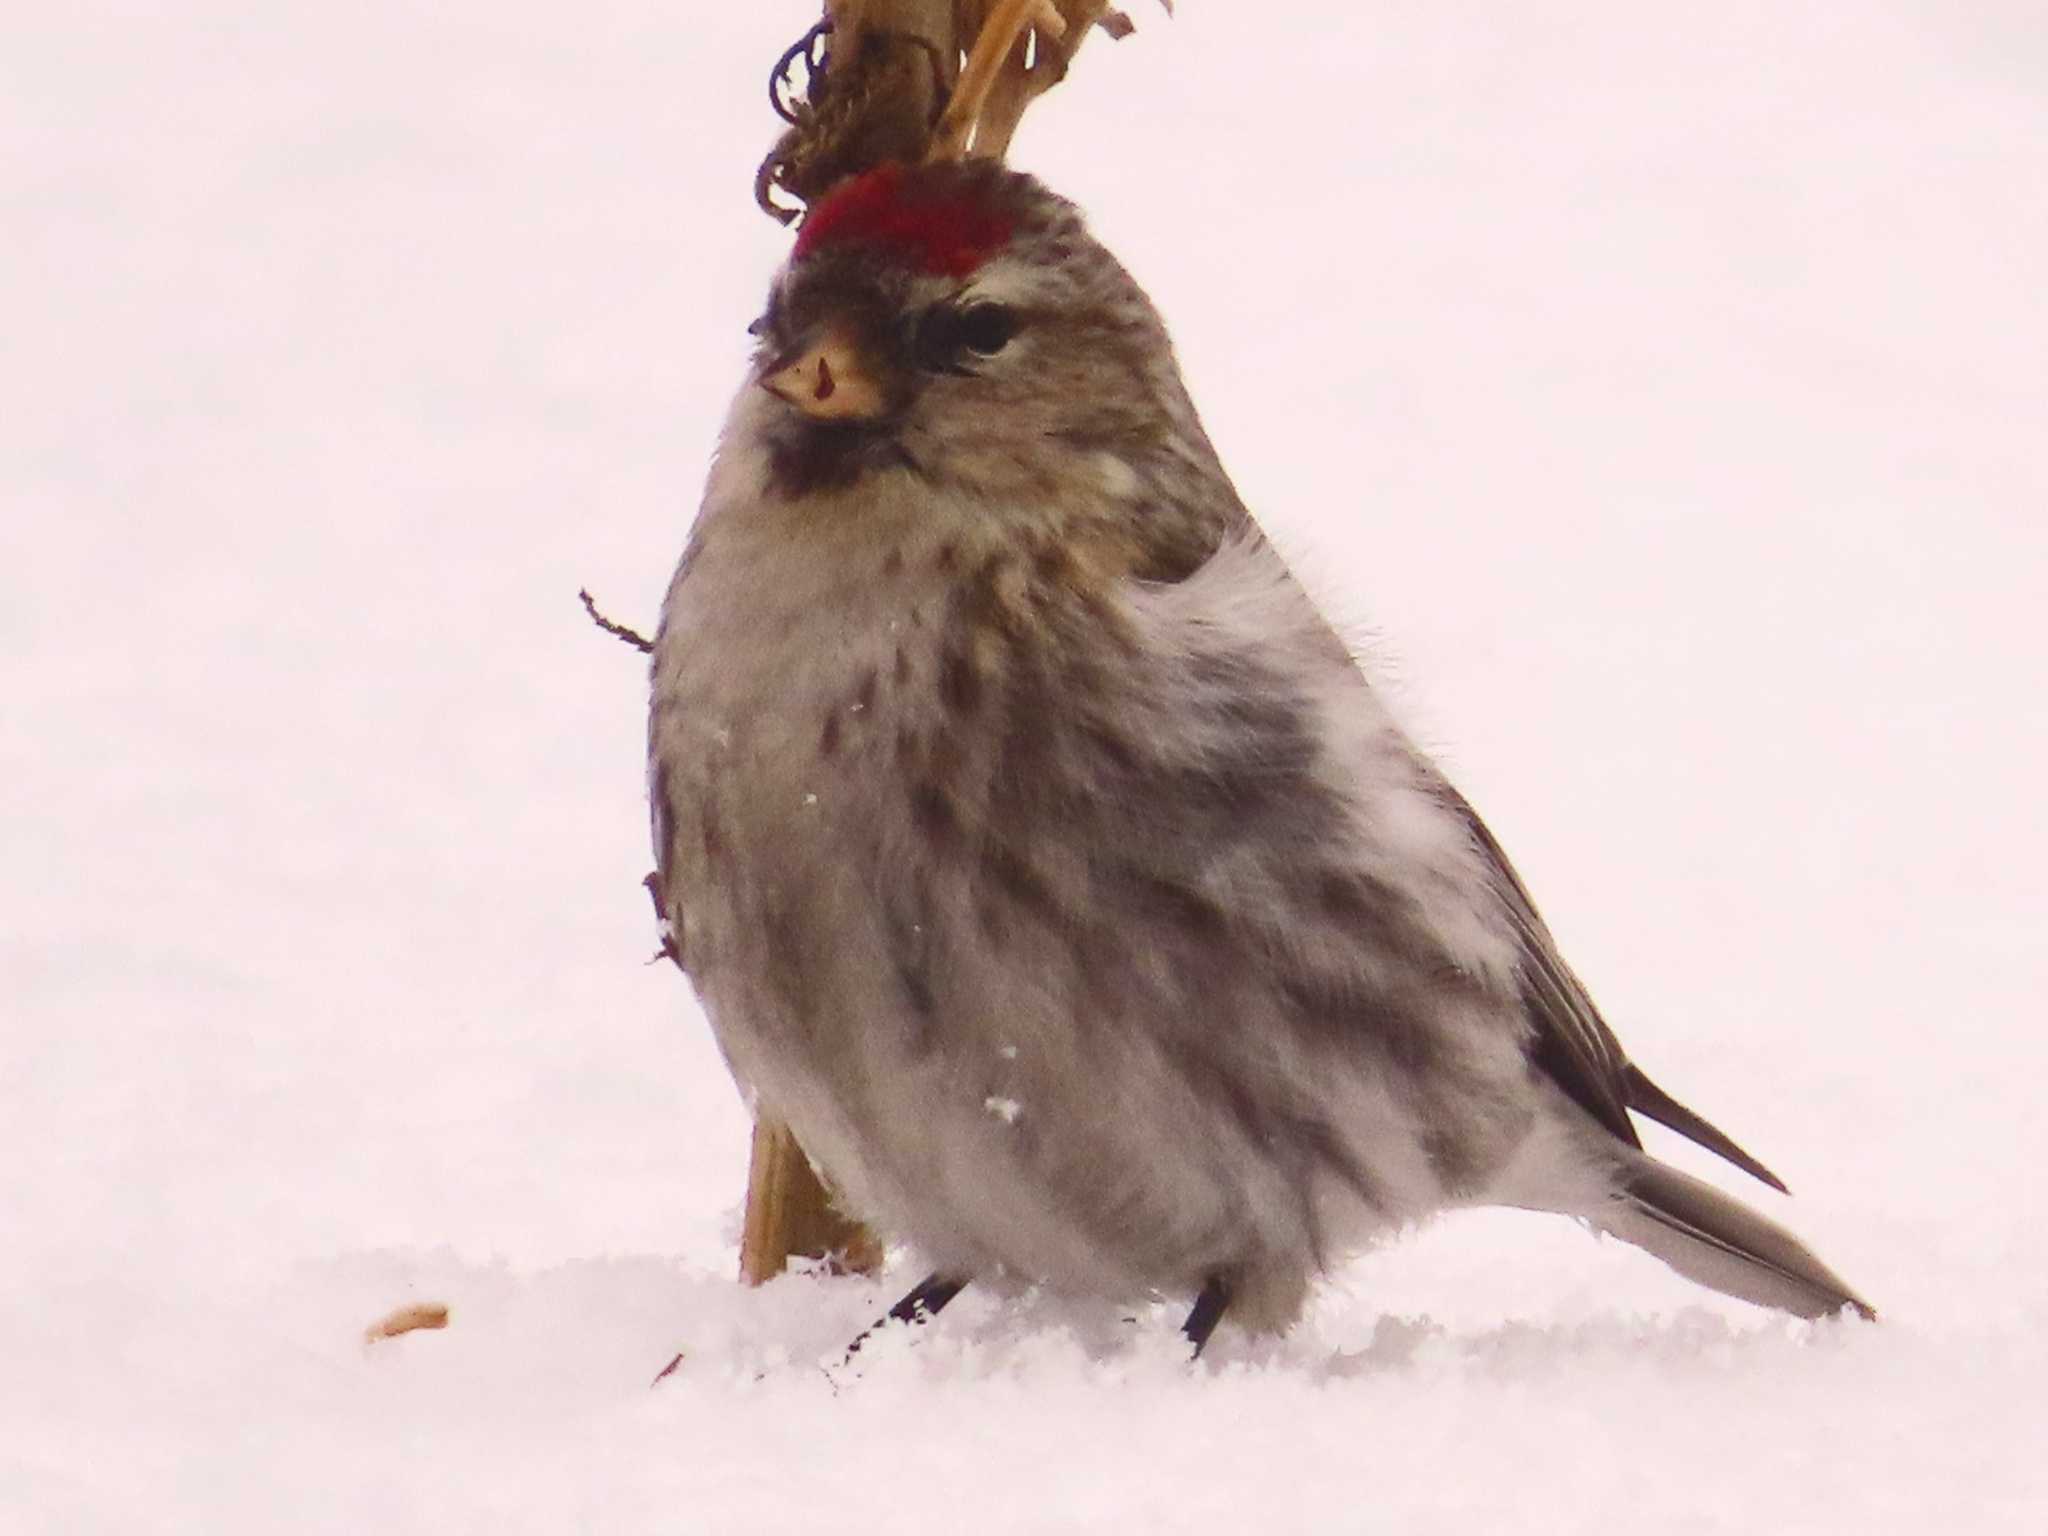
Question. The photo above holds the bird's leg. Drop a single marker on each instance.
(926, 1300)
(1208, 1312)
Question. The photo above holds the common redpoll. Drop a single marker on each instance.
(1045, 860)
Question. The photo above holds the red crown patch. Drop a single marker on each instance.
(938, 231)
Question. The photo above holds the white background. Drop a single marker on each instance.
(1666, 387)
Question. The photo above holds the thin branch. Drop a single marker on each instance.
(632, 637)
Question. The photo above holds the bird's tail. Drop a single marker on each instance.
(1712, 1238)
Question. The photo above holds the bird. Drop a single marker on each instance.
(1041, 855)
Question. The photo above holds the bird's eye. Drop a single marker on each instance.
(947, 336)
(986, 328)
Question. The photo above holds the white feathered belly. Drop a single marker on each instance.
(992, 1047)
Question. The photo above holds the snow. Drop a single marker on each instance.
(1663, 387)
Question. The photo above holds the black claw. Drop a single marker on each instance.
(1208, 1312)
(926, 1301)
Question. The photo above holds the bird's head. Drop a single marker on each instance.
(957, 322)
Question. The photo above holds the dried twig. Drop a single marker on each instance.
(912, 80)
(790, 1214)
(998, 53)
(632, 637)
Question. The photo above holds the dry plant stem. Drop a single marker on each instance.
(895, 64)
(892, 63)
(790, 1215)
(1001, 35)
(1000, 51)
(931, 22)
(1015, 87)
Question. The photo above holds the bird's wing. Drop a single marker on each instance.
(1572, 1044)
(1569, 1042)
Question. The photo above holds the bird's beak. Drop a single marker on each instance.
(827, 381)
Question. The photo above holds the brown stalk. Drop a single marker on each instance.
(915, 80)
(905, 80)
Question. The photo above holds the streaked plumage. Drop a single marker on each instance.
(1045, 860)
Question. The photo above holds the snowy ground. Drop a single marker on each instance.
(1665, 385)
